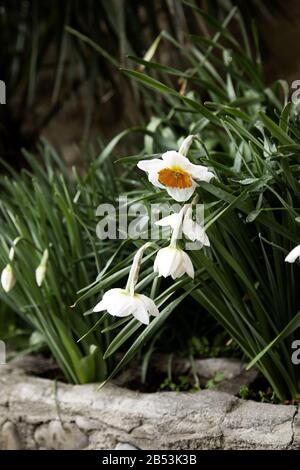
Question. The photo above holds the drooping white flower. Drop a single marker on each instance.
(124, 302)
(191, 229)
(175, 173)
(174, 262)
(171, 260)
(293, 255)
(121, 303)
(8, 279)
(40, 271)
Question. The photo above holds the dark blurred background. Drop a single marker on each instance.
(61, 88)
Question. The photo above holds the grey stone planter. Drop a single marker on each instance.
(82, 418)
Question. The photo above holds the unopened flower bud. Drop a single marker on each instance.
(8, 278)
(40, 272)
(185, 146)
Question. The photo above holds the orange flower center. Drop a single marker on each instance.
(175, 177)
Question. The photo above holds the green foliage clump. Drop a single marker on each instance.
(248, 134)
(48, 208)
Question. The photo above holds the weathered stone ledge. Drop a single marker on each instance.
(79, 417)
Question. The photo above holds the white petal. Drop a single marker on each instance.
(116, 301)
(194, 232)
(182, 194)
(149, 304)
(169, 221)
(179, 268)
(121, 306)
(152, 167)
(203, 238)
(121, 310)
(172, 158)
(293, 255)
(169, 261)
(190, 229)
(140, 311)
(100, 306)
(200, 172)
(153, 178)
(162, 262)
(159, 261)
(189, 268)
(112, 294)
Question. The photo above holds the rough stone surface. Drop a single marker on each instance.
(209, 367)
(296, 430)
(10, 437)
(57, 435)
(79, 417)
(125, 446)
(259, 425)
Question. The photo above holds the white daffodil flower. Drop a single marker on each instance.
(173, 261)
(121, 303)
(8, 279)
(40, 272)
(125, 302)
(190, 228)
(293, 255)
(175, 173)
